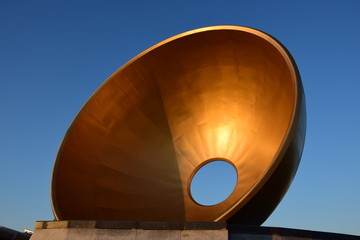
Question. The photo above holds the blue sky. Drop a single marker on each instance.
(54, 55)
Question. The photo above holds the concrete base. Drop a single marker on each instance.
(108, 230)
(119, 230)
(121, 234)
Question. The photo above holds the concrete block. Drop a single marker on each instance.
(158, 234)
(128, 230)
(204, 225)
(51, 224)
(117, 225)
(204, 234)
(115, 234)
(160, 225)
(82, 224)
(244, 236)
(47, 234)
(81, 234)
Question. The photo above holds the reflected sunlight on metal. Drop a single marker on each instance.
(223, 92)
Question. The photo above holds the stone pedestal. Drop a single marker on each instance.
(110, 230)
(120, 230)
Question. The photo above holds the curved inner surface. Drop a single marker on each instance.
(130, 152)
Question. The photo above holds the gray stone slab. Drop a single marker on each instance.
(132, 230)
(160, 225)
(115, 234)
(51, 224)
(204, 225)
(126, 234)
(117, 225)
(47, 234)
(81, 234)
(145, 225)
(82, 224)
(158, 234)
(204, 234)
(244, 236)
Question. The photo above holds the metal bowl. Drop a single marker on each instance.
(217, 93)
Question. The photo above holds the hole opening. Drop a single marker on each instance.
(213, 182)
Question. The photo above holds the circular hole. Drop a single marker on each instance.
(213, 183)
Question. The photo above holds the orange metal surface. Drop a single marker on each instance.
(222, 92)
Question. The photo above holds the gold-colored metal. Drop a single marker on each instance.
(223, 92)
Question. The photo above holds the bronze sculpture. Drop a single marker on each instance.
(218, 93)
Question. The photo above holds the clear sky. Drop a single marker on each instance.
(54, 54)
